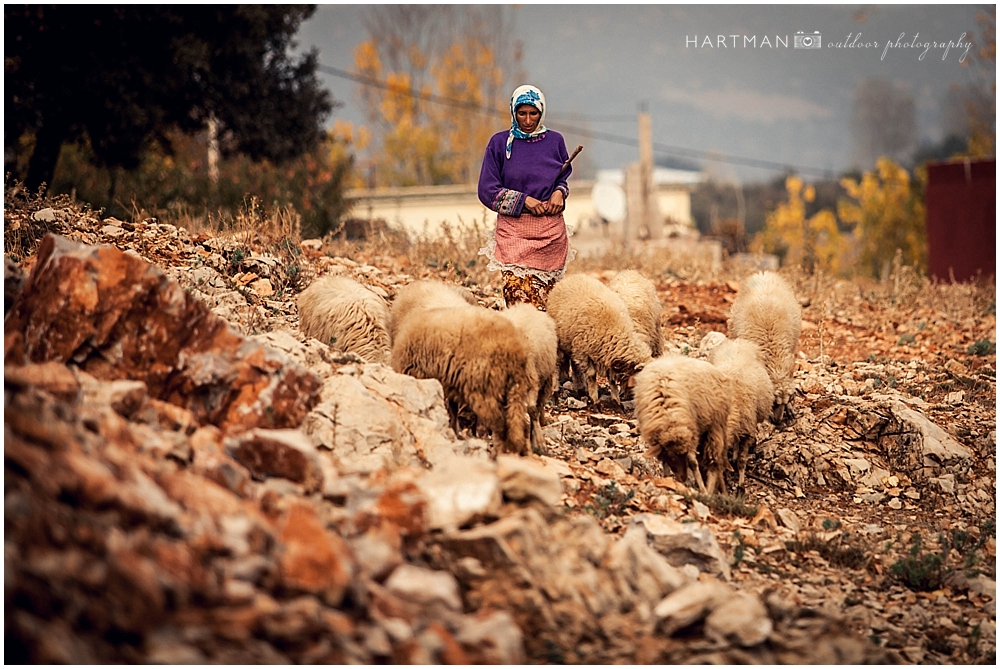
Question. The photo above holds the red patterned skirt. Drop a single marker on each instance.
(531, 252)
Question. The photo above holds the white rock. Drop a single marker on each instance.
(642, 574)
(689, 604)
(741, 619)
(460, 491)
(684, 543)
(789, 519)
(425, 586)
(495, 636)
(524, 479)
(936, 445)
(47, 215)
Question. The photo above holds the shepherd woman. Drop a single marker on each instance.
(521, 180)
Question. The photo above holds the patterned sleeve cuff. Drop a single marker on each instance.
(508, 202)
(565, 191)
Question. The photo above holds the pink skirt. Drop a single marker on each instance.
(538, 242)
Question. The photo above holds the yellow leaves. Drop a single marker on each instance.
(815, 242)
(888, 214)
(414, 142)
(366, 58)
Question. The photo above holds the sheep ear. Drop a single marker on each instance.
(638, 367)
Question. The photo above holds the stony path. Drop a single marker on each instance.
(892, 448)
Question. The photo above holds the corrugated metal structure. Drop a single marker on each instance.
(961, 202)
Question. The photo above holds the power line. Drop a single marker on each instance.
(658, 147)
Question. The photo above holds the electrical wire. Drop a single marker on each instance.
(663, 149)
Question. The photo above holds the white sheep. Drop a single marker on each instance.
(346, 316)
(596, 334)
(539, 332)
(426, 294)
(639, 295)
(767, 313)
(752, 396)
(682, 406)
(482, 363)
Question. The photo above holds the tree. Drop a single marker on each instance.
(814, 242)
(982, 119)
(122, 76)
(883, 122)
(448, 52)
(886, 207)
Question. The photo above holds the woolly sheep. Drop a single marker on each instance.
(595, 334)
(481, 363)
(539, 331)
(346, 316)
(639, 295)
(426, 294)
(766, 312)
(752, 396)
(682, 406)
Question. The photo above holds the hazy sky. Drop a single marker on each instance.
(715, 78)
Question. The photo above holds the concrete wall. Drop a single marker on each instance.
(421, 210)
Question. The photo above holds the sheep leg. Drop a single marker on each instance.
(692, 461)
(742, 457)
(591, 378)
(716, 459)
(565, 361)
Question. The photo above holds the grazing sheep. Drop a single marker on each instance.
(426, 294)
(481, 362)
(752, 396)
(682, 405)
(766, 312)
(595, 334)
(639, 295)
(539, 331)
(346, 316)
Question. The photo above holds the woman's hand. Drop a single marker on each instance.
(535, 206)
(556, 203)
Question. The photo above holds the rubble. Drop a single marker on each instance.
(188, 479)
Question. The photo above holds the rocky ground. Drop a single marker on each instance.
(188, 479)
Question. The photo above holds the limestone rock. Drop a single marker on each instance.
(690, 604)
(118, 317)
(684, 543)
(425, 586)
(936, 446)
(284, 453)
(492, 637)
(740, 619)
(523, 479)
(460, 491)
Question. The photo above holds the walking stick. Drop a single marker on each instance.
(565, 166)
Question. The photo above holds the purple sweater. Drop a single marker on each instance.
(531, 170)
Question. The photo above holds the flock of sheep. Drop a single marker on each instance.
(499, 369)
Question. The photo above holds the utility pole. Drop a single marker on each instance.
(213, 152)
(646, 167)
(640, 196)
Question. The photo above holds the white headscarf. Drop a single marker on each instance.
(525, 95)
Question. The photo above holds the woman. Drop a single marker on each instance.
(521, 181)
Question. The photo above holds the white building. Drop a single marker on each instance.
(421, 210)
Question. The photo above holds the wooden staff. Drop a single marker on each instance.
(565, 166)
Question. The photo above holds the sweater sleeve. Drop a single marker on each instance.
(491, 191)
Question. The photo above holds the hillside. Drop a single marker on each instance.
(189, 480)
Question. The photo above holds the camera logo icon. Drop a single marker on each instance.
(808, 41)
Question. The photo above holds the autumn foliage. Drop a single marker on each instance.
(882, 214)
(886, 209)
(439, 95)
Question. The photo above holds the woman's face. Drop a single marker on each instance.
(527, 118)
